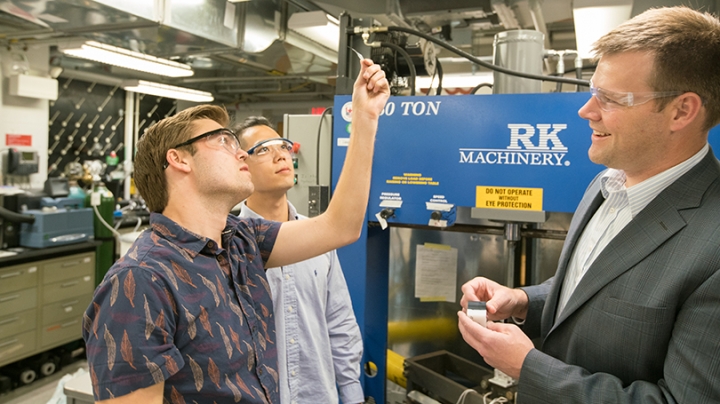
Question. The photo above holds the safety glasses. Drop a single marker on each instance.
(614, 100)
(216, 139)
(269, 147)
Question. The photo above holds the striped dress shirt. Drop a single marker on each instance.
(621, 205)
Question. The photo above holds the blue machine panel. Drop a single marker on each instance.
(440, 149)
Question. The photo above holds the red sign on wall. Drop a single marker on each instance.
(18, 140)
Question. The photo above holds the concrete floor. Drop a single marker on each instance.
(42, 390)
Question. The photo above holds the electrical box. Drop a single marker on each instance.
(312, 169)
(318, 199)
(24, 85)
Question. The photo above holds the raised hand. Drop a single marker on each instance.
(371, 90)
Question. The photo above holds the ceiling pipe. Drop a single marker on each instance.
(283, 105)
(255, 78)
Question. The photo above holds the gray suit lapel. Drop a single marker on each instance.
(645, 233)
(655, 224)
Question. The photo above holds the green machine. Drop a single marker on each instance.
(102, 201)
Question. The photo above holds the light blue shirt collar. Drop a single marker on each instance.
(249, 213)
(640, 195)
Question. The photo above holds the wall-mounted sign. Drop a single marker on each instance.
(18, 140)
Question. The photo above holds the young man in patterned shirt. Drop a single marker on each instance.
(186, 315)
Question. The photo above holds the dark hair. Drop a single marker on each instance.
(248, 123)
(686, 47)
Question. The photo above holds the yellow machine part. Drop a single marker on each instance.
(395, 368)
(431, 329)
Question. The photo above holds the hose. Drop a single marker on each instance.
(317, 145)
(104, 223)
(439, 70)
(475, 60)
(479, 86)
(14, 217)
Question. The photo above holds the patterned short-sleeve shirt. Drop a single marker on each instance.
(179, 308)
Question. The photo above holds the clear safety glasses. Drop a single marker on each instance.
(216, 139)
(269, 147)
(614, 100)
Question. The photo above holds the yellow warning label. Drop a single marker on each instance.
(509, 198)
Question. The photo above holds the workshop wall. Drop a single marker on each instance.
(26, 116)
(87, 122)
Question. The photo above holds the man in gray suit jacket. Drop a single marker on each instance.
(633, 312)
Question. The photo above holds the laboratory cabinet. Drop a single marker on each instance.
(42, 300)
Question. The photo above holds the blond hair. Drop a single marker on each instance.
(149, 172)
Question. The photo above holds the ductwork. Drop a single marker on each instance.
(594, 18)
(216, 37)
(222, 40)
(155, 27)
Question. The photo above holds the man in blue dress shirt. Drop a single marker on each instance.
(318, 339)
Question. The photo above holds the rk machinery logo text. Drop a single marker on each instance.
(549, 150)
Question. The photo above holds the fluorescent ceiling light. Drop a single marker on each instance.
(594, 19)
(128, 59)
(164, 90)
(318, 26)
